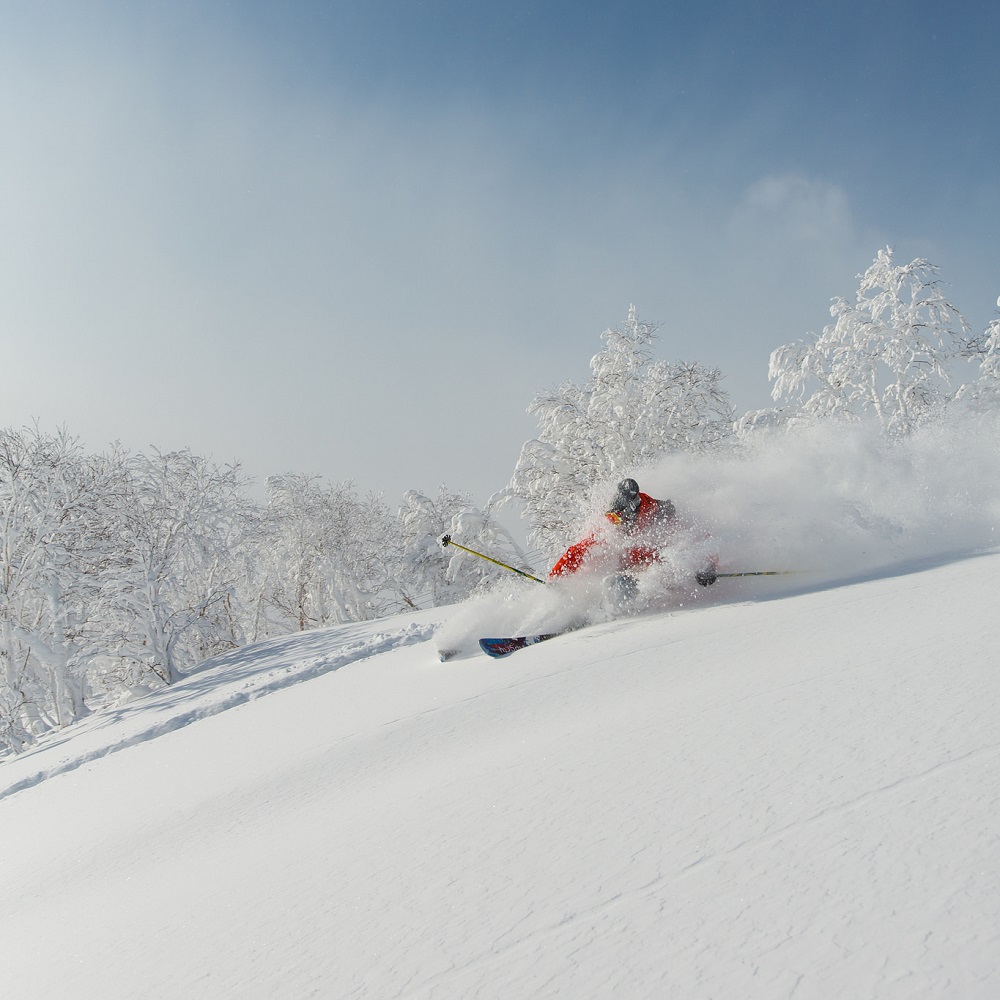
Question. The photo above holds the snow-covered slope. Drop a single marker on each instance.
(777, 797)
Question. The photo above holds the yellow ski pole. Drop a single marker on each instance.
(760, 572)
(445, 541)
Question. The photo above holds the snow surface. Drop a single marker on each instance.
(765, 794)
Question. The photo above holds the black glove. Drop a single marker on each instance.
(706, 577)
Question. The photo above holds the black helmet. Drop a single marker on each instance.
(626, 501)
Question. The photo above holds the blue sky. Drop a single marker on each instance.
(355, 239)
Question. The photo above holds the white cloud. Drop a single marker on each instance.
(792, 207)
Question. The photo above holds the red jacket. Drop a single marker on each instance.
(651, 513)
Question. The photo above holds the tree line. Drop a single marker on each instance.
(120, 571)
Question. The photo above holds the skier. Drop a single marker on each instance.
(638, 526)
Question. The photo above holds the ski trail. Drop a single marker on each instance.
(220, 684)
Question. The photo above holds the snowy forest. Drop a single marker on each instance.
(120, 571)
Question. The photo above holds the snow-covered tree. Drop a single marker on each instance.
(326, 555)
(424, 564)
(480, 530)
(119, 572)
(436, 575)
(177, 520)
(983, 393)
(53, 550)
(632, 411)
(889, 352)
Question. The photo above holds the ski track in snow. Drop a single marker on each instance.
(244, 678)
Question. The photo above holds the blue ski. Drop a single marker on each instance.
(511, 644)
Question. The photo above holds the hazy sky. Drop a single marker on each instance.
(356, 238)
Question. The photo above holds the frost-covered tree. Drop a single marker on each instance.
(326, 555)
(119, 572)
(33, 476)
(54, 549)
(423, 520)
(888, 353)
(632, 411)
(177, 520)
(480, 530)
(983, 393)
(434, 575)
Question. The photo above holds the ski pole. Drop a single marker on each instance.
(446, 541)
(760, 572)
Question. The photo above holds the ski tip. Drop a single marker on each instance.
(511, 644)
(499, 647)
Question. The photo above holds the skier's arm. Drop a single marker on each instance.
(572, 559)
